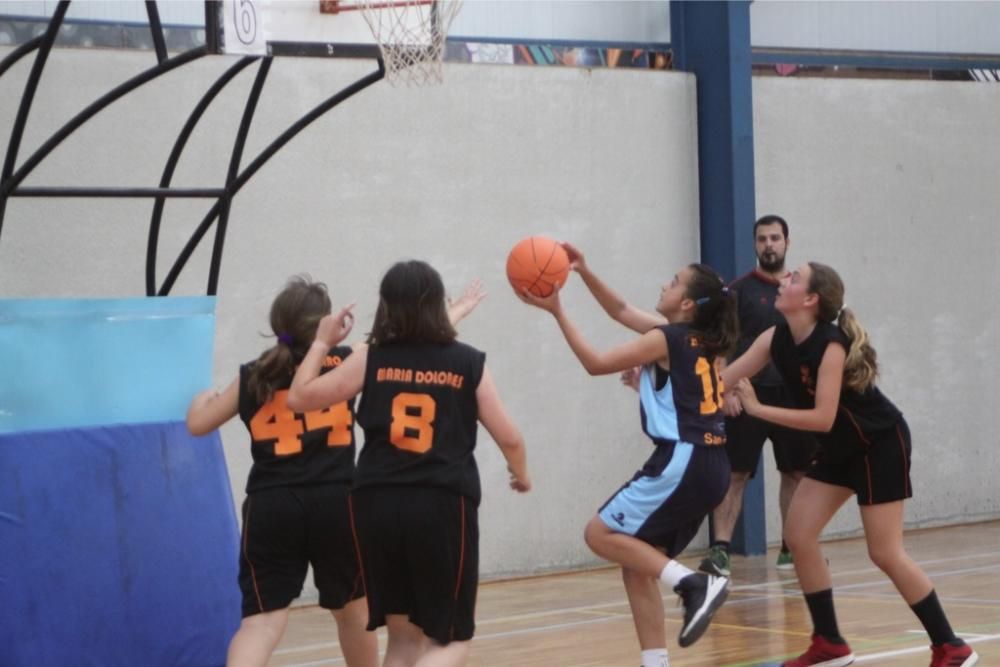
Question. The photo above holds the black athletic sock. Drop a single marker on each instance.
(784, 547)
(824, 617)
(722, 544)
(932, 617)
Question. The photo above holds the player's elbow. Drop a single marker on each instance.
(825, 422)
(296, 400)
(196, 426)
(596, 366)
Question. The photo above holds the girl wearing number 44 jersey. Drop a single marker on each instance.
(296, 509)
(829, 368)
(416, 488)
(646, 525)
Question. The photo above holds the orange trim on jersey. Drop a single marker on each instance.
(461, 562)
(902, 450)
(868, 471)
(856, 427)
(461, 552)
(357, 544)
(253, 573)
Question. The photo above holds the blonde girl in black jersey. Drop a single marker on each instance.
(829, 366)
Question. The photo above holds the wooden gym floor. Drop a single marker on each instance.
(582, 618)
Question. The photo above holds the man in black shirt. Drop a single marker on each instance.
(793, 450)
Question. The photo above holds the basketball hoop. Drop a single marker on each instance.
(410, 34)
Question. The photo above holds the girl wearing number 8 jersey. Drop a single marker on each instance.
(647, 523)
(416, 488)
(296, 509)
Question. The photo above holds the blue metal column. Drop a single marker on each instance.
(711, 39)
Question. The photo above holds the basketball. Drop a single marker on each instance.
(537, 264)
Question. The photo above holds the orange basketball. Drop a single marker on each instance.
(537, 264)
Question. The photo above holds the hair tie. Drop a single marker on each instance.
(703, 300)
(286, 339)
(725, 291)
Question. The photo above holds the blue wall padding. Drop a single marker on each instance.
(118, 546)
(92, 362)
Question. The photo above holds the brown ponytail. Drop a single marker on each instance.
(295, 314)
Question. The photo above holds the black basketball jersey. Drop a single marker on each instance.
(860, 415)
(755, 295)
(687, 406)
(292, 448)
(419, 414)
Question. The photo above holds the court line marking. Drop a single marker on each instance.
(873, 657)
(590, 608)
(919, 649)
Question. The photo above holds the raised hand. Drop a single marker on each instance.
(550, 303)
(335, 327)
(467, 302)
(577, 262)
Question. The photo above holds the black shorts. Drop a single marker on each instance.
(880, 474)
(419, 557)
(284, 530)
(745, 436)
(666, 501)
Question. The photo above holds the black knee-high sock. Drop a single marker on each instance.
(932, 617)
(824, 617)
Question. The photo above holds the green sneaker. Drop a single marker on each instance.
(716, 562)
(785, 561)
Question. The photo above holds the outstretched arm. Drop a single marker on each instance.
(613, 304)
(750, 362)
(650, 347)
(466, 303)
(818, 418)
(211, 409)
(312, 391)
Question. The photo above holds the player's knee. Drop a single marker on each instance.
(798, 540)
(353, 615)
(883, 557)
(594, 534)
(271, 623)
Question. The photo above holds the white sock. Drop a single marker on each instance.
(655, 657)
(673, 573)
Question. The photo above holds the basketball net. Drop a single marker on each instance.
(411, 36)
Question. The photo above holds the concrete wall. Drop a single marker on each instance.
(894, 184)
(455, 175)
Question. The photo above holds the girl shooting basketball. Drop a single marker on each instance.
(296, 509)
(652, 518)
(416, 488)
(826, 361)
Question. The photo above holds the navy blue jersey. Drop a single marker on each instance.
(420, 415)
(293, 448)
(860, 414)
(684, 404)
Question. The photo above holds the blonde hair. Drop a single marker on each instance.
(860, 367)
